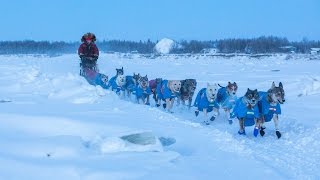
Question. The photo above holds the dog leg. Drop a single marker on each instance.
(168, 105)
(171, 102)
(148, 100)
(165, 104)
(123, 94)
(189, 103)
(196, 112)
(178, 101)
(262, 126)
(215, 114)
(206, 120)
(241, 124)
(256, 128)
(183, 103)
(158, 102)
(155, 96)
(276, 123)
(227, 111)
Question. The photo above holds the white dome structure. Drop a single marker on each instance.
(164, 46)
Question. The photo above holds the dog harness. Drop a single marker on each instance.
(114, 86)
(164, 92)
(201, 101)
(266, 109)
(142, 93)
(242, 111)
(224, 100)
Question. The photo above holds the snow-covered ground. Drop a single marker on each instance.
(54, 125)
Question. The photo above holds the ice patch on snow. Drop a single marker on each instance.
(137, 142)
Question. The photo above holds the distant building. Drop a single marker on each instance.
(288, 49)
(315, 50)
(209, 51)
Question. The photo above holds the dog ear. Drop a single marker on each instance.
(146, 76)
(273, 85)
(256, 90)
(229, 83)
(280, 85)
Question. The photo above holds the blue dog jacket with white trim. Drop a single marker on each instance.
(201, 101)
(242, 111)
(224, 100)
(266, 109)
(163, 91)
(141, 92)
(114, 86)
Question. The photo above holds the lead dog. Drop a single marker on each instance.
(247, 111)
(269, 107)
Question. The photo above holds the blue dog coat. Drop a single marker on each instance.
(265, 107)
(98, 81)
(224, 100)
(130, 84)
(163, 91)
(201, 101)
(241, 111)
(140, 93)
(114, 86)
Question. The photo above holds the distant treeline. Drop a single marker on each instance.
(262, 44)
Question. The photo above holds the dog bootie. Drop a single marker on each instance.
(206, 122)
(278, 134)
(212, 118)
(158, 105)
(196, 113)
(230, 121)
(148, 104)
(164, 106)
(242, 132)
(256, 131)
(262, 133)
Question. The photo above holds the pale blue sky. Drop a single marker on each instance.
(142, 19)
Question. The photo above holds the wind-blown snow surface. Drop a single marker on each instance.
(54, 125)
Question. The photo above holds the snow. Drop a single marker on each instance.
(164, 46)
(54, 125)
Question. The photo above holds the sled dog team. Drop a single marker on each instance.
(254, 108)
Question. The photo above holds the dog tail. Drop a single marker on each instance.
(220, 85)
